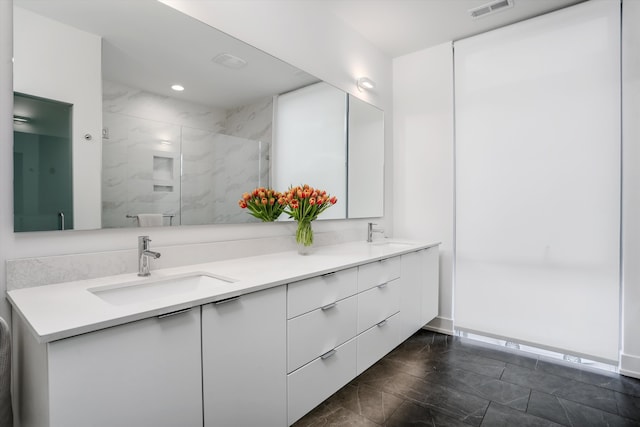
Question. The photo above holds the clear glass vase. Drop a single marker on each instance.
(304, 237)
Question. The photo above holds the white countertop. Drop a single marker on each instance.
(63, 310)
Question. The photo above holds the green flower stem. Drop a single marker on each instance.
(304, 233)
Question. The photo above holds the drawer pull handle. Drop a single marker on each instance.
(329, 306)
(174, 313)
(329, 274)
(226, 300)
(384, 322)
(328, 354)
(382, 285)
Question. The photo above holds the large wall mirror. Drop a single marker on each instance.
(136, 148)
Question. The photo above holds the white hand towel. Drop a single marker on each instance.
(150, 220)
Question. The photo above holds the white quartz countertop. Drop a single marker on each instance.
(63, 310)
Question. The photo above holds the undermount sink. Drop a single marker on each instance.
(145, 290)
(391, 243)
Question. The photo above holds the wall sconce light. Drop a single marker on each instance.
(20, 119)
(365, 83)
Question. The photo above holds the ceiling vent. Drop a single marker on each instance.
(490, 8)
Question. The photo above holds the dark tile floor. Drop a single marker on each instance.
(439, 380)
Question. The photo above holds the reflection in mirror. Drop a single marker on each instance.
(366, 160)
(183, 157)
(312, 142)
(213, 159)
(42, 187)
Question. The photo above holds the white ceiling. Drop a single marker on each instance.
(148, 45)
(398, 27)
(144, 35)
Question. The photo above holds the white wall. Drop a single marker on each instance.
(70, 75)
(423, 158)
(630, 357)
(323, 46)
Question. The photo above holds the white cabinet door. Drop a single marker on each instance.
(377, 304)
(320, 331)
(419, 277)
(430, 284)
(376, 273)
(245, 360)
(316, 381)
(377, 341)
(411, 276)
(145, 373)
(307, 295)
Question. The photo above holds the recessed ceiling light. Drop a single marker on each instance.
(230, 61)
(177, 88)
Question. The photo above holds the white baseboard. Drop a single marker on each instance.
(629, 365)
(443, 325)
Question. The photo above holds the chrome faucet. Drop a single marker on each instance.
(144, 264)
(371, 230)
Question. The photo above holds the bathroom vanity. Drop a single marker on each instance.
(199, 345)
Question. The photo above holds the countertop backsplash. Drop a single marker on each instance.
(40, 271)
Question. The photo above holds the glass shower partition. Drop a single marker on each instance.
(42, 164)
(191, 176)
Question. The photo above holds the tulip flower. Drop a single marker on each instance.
(261, 203)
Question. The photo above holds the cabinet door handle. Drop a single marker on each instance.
(173, 313)
(328, 354)
(226, 300)
(384, 322)
(382, 285)
(329, 306)
(329, 274)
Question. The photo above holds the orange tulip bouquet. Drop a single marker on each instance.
(263, 204)
(304, 204)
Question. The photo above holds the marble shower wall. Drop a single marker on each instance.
(128, 170)
(254, 122)
(224, 153)
(217, 169)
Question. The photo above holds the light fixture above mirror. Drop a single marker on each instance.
(365, 83)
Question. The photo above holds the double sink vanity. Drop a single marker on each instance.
(249, 341)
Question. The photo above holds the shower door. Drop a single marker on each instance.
(42, 176)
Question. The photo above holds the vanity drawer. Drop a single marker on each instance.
(376, 273)
(313, 383)
(307, 295)
(377, 341)
(377, 304)
(315, 333)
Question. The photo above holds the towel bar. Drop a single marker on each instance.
(170, 216)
